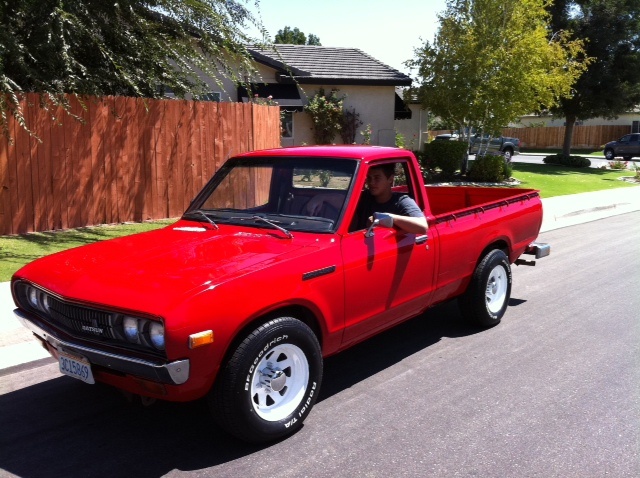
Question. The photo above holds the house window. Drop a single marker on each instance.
(211, 96)
(286, 123)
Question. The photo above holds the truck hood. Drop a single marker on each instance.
(160, 268)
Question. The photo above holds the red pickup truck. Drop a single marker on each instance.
(240, 300)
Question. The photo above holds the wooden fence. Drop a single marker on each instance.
(552, 137)
(130, 159)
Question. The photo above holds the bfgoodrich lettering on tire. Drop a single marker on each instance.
(268, 387)
(486, 299)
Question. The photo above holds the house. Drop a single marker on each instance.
(630, 118)
(292, 74)
(413, 125)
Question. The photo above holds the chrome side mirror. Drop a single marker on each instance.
(369, 232)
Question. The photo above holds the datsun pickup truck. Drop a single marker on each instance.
(241, 299)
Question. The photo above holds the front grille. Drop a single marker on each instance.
(82, 321)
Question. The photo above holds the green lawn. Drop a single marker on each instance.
(554, 180)
(15, 251)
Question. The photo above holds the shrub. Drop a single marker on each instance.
(570, 161)
(445, 155)
(617, 164)
(326, 113)
(349, 126)
(490, 168)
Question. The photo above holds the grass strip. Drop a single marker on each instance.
(554, 180)
(16, 251)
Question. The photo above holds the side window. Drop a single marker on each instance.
(366, 203)
(625, 138)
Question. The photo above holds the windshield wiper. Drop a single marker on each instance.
(203, 214)
(266, 221)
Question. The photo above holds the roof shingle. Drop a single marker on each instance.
(330, 65)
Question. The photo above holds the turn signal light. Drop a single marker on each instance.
(200, 339)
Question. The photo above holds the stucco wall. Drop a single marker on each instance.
(374, 104)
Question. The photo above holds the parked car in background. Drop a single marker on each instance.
(505, 145)
(627, 147)
(447, 137)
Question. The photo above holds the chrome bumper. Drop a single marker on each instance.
(537, 249)
(173, 373)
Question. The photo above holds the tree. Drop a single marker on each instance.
(288, 36)
(313, 40)
(492, 61)
(129, 47)
(611, 83)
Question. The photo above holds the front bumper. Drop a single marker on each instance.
(172, 373)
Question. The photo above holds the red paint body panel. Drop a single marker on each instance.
(193, 277)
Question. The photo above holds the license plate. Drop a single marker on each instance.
(76, 367)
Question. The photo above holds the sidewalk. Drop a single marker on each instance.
(19, 350)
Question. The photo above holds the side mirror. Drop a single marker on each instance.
(369, 232)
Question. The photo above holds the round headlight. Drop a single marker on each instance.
(131, 332)
(32, 296)
(46, 302)
(156, 335)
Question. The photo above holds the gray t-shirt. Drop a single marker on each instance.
(399, 203)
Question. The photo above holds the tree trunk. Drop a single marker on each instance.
(568, 135)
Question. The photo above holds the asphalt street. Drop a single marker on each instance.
(550, 392)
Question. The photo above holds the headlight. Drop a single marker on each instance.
(32, 296)
(143, 332)
(38, 300)
(131, 331)
(156, 335)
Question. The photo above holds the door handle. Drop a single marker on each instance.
(422, 239)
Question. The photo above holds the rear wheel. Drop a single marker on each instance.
(271, 382)
(508, 154)
(487, 297)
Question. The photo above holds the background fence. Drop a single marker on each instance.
(584, 137)
(130, 159)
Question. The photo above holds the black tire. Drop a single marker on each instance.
(487, 297)
(627, 158)
(269, 385)
(609, 154)
(508, 155)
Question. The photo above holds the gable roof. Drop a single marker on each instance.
(327, 65)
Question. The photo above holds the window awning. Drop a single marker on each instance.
(287, 96)
(402, 111)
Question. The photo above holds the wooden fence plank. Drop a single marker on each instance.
(125, 163)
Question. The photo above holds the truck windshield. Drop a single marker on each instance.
(279, 190)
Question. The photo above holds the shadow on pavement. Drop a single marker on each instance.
(62, 427)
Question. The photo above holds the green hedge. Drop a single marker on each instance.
(490, 168)
(445, 155)
(571, 161)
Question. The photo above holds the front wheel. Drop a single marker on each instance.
(271, 382)
(486, 299)
(609, 154)
(508, 154)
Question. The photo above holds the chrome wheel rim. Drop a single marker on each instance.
(496, 291)
(279, 382)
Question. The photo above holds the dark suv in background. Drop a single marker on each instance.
(627, 147)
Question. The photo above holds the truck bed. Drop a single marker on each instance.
(460, 200)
